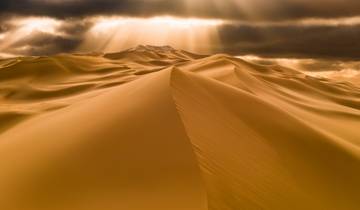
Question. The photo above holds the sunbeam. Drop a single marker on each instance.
(116, 33)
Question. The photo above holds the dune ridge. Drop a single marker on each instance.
(160, 128)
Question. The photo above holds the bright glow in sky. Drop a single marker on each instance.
(30, 25)
(117, 33)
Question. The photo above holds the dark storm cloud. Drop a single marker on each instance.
(81, 8)
(298, 41)
(68, 37)
(269, 40)
(5, 27)
(272, 41)
(235, 9)
(44, 44)
(75, 27)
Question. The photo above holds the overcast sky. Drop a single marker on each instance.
(321, 29)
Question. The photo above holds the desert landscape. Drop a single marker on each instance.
(160, 128)
(179, 105)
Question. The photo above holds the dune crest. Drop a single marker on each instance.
(160, 128)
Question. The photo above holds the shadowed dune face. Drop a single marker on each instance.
(159, 128)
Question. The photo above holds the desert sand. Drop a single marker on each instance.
(159, 128)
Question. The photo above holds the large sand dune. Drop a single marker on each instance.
(158, 128)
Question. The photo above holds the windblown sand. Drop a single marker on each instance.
(161, 129)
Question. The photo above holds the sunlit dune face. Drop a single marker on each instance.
(113, 34)
(345, 73)
(319, 68)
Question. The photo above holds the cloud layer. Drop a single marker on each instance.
(324, 29)
(234, 9)
(293, 41)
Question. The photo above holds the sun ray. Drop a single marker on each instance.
(117, 33)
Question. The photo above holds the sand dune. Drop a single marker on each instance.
(159, 128)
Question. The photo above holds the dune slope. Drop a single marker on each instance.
(158, 128)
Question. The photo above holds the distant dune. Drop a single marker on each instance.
(164, 129)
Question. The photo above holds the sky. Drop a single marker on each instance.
(324, 34)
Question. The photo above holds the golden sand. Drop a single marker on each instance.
(158, 128)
